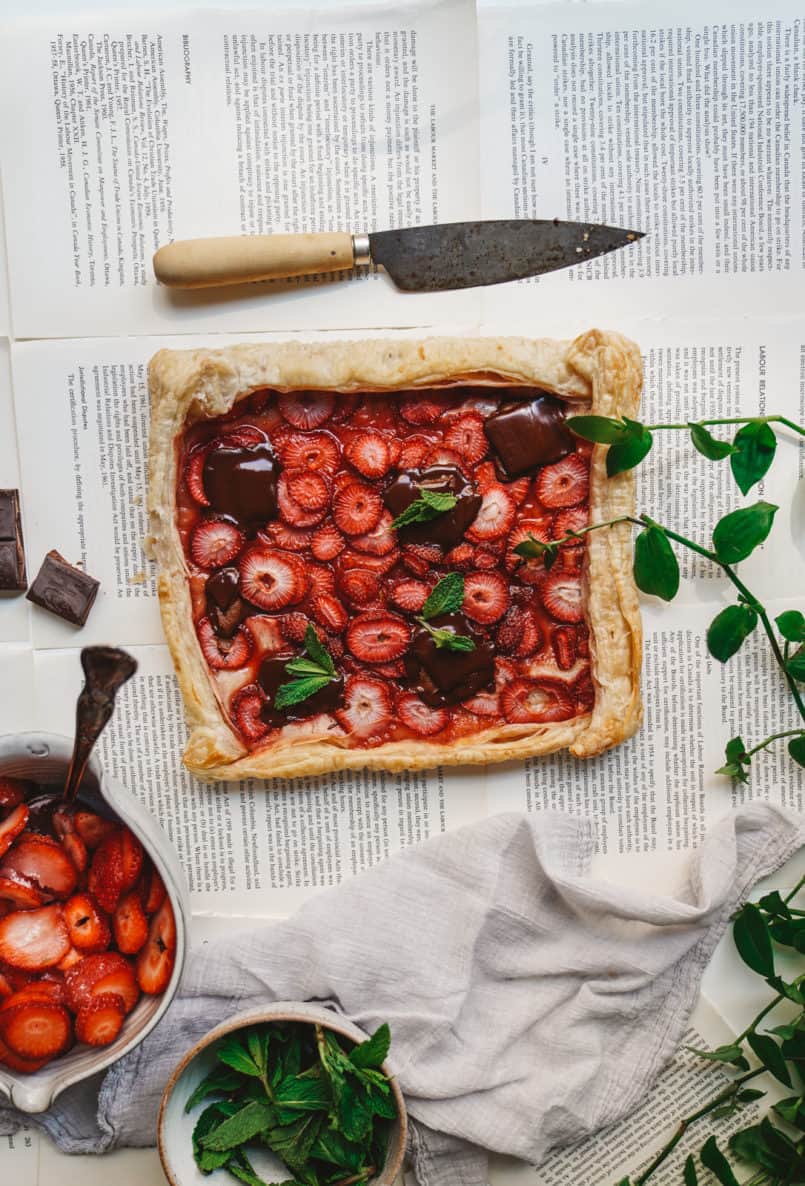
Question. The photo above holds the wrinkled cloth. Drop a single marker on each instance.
(530, 1003)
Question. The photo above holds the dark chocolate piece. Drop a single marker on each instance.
(272, 674)
(241, 481)
(225, 607)
(106, 669)
(529, 434)
(440, 676)
(446, 530)
(12, 549)
(64, 590)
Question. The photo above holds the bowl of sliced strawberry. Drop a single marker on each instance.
(93, 909)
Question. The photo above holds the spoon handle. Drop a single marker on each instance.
(106, 669)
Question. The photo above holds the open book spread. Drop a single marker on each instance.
(122, 131)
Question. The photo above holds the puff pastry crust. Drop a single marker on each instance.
(598, 371)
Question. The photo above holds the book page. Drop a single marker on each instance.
(670, 119)
(14, 609)
(124, 132)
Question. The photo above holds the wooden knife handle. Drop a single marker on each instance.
(238, 259)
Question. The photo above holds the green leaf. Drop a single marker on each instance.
(738, 534)
(447, 639)
(754, 447)
(774, 904)
(602, 430)
(655, 567)
(792, 1111)
(735, 753)
(354, 1113)
(630, 450)
(713, 1159)
(446, 597)
(532, 548)
(317, 650)
(690, 1175)
(791, 625)
(240, 1128)
(331, 1146)
(217, 1082)
(293, 1142)
(209, 1159)
(708, 445)
(729, 1054)
(791, 992)
(749, 1095)
(382, 1105)
(796, 748)
(303, 1095)
(209, 1119)
(304, 667)
(766, 1049)
(257, 1043)
(233, 1054)
(728, 631)
(752, 940)
(429, 505)
(374, 1051)
(796, 665)
(750, 1146)
(299, 690)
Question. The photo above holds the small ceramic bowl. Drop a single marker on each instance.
(175, 1126)
(44, 758)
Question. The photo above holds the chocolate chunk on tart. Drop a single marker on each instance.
(335, 527)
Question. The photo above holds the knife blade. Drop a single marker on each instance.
(418, 259)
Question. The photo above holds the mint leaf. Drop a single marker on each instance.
(656, 570)
(299, 690)
(791, 625)
(728, 630)
(738, 534)
(374, 1050)
(303, 1095)
(240, 1128)
(217, 1082)
(446, 640)
(233, 1054)
(708, 445)
(630, 450)
(304, 667)
(602, 430)
(317, 651)
(753, 452)
(429, 505)
(446, 597)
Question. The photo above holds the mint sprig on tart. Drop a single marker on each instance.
(447, 597)
(310, 674)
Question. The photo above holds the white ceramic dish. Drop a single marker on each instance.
(175, 1126)
(44, 757)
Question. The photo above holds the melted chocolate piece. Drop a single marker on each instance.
(441, 677)
(226, 609)
(272, 674)
(528, 434)
(241, 481)
(106, 669)
(12, 550)
(64, 590)
(446, 530)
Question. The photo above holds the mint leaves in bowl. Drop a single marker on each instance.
(291, 1094)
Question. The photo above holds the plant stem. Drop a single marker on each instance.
(684, 1125)
(361, 1177)
(795, 891)
(732, 420)
(750, 1029)
(773, 737)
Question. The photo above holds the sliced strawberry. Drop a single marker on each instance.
(345, 404)
(321, 579)
(394, 671)
(272, 579)
(156, 959)
(495, 516)
(5, 986)
(565, 647)
(378, 637)
(21, 892)
(306, 409)
(224, 654)
(292, 539)
(242, 436)
(414, 451)
(394, 446)
(519, 490)
(420, 409)
(563, 484)
(33, 939)
(86, 925)
(368, 452)
(420, 558)
(380, 540)
(13, 791)
(461, 558)
(73, 957)
(132, 856)
(106, 873)
(562, 597)
(367, 710)
(486, 597)
(483, 704)
(76, 850)
(573, 519)
(410, 594)
(441, 455)
(11, 827)
(530, 572)
(130, 924)
(101, 1020)
(329, 612)
(584, 692)
(485, 476)
(17, 977)
(357, 509)
(466, 435)
(485, 558)
(379, 564)
(418, 717)
(215, 542)
(14, 1063)
(326, 542)
(292, 511)
(246, 708)
(524, 702)
(93, 829)
(194, 476)
(334, 645)
(156, 892)
(316, 451)
(37, 990)
(42, 860)
(36, 1029)
(519, 633)
(360, 586)
(294, 626)
(308, 488)
(80, 980)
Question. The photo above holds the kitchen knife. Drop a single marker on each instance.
(418, 259)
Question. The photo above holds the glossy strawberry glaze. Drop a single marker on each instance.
(539, 640)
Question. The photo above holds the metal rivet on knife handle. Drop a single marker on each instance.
(241, 259)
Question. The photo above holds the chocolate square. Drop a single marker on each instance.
(12, 550)
(64, 590)
(529, 434)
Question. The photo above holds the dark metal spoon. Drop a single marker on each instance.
(106, 669)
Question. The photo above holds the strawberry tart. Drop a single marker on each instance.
(338, 532)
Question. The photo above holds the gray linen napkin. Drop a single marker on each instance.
(530, 1004)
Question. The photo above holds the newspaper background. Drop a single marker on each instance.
(701, 351)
